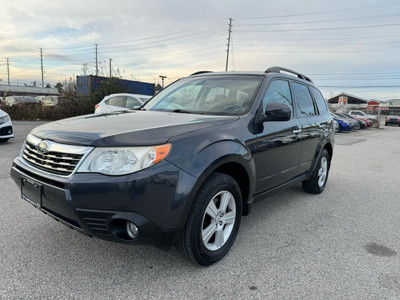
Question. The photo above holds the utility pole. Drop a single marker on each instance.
(97, 63)
(229, 43)
(41, 66)
(110, 68)
(162, 79)
(8, 70)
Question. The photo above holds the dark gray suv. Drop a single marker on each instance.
(183, 168)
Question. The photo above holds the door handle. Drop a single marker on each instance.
(297, 131)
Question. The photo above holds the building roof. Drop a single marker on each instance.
(17, 89)
(350, 95)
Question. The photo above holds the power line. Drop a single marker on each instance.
(322, 29)
(328, 44)
(165, 34)
(358, 86)
(320, 21)
(320, 39)
(324, 11)
(325, 51)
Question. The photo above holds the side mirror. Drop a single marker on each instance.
(277, 112)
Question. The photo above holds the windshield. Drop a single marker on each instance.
(226, 95)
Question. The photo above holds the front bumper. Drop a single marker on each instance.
(156, 200)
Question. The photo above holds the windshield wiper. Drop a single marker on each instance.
(118, 112)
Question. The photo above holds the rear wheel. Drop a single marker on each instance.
(317, 182)
(213, 221)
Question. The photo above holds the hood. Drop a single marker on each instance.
(133, 128)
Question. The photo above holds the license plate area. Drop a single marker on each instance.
(31, 192)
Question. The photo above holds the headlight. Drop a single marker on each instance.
(124, 160)
(4, 119)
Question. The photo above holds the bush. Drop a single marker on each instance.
(65, 109)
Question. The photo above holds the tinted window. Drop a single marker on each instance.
(278, 92)
(132, 102)
(117, 101)
(321, 104)
(304, 102)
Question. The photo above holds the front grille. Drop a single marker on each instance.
(53, 162)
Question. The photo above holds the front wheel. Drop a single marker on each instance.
(317, 182)
(3, 140)
(213, 221)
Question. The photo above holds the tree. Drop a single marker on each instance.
(106, 88)
(59, 87)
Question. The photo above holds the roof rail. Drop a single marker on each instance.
(279, 69)
(200, 72)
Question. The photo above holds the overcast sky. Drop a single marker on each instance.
(349, 46)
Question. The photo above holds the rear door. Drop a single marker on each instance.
(311, 127)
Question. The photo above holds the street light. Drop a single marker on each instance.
(162, 79)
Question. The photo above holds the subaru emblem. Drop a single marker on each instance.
(43, 147)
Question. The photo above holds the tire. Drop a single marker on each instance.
(317, 182)
(3, 140)
(213, 221)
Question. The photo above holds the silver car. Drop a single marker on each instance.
(116, 102)
(6, 128)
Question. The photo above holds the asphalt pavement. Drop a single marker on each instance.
(341, 244)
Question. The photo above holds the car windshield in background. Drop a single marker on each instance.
(226, 95)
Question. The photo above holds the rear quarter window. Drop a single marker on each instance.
(319, 99)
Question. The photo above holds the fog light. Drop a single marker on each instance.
(132, 230)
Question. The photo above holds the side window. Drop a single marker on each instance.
(304, 101)
(132, 102)
(117, 101)
(278, 92)
(321, 104)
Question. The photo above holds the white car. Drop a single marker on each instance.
(6, 129)
(116, 102)
(361, 114)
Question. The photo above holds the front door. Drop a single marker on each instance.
(278, 145)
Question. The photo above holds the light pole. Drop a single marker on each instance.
(162, 80)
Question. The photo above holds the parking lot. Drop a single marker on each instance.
(343, 243)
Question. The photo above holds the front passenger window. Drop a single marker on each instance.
(278, 92)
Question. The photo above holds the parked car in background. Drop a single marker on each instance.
(361, 114)
(368, 122)
(392, 120)
(117, 102)
(47, 100)
(6, 128)
(357, 124)
(344, 125)
(14, 100)
(335, 125)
